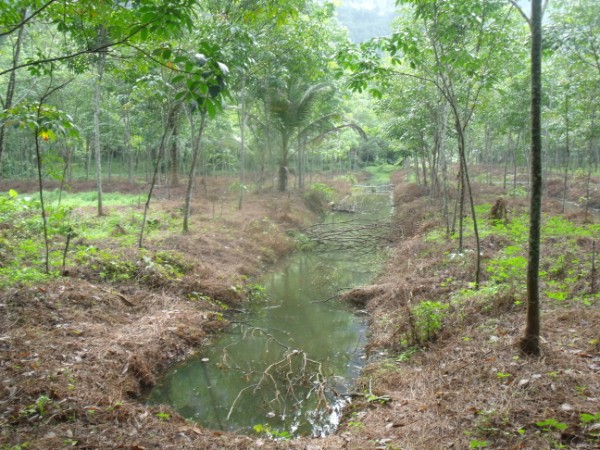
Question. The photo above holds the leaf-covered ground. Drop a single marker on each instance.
(77, 352)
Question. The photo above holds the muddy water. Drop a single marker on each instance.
(286, 365)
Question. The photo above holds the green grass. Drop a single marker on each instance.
(381, 174)
(22, 249)
(564, 267)
(85, 199)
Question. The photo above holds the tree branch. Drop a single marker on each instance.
(87, 51)
(520, 10)
(27, 19)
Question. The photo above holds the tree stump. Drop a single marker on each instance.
(499, 211)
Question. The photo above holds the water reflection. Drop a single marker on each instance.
(286, 365)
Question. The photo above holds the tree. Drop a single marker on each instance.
(530, 344)
(94, 29)
(292, 106)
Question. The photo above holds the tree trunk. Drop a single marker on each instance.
(283, 164)
(174, 160)
(127, 144)
(161, 150)
(467, 185)
(100, 68)
(10, 89)
(530, 344)
(567, 155)
(242, 144)
(197, 145)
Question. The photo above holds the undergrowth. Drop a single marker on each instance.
(76, 241)
(567, 281)
(565, 278)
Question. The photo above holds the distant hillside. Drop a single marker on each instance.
(366, 18)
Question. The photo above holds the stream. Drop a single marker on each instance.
(286, 365)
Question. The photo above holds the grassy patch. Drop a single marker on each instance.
(72, 237)
(381, 174)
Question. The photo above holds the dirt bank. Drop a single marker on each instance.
(447, 372)
(78, 352)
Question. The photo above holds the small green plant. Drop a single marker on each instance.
(502, 375)
(550, 424)
(425, 321)
(22, 446)
(478, 444)
(163, 416)
(319, 195)
(589, 419)
(407, 354)
(581, 390)
(356, 424)
(381, 399)
(255, 291)
(271, 432)
(40, 407)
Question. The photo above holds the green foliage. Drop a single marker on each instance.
(425, 321)
(255, 292)
(22, 446)
(381, 174)
(40, 407)
(21, 262)
(45, 121)
(318, 196)
(550, 424)
(589, 419)
(163, 416)
(323, 190)
(272, 432)
(407, 354)
(510, 270)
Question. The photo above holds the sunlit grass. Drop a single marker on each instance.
(90, 198)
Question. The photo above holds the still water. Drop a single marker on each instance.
(286, 365)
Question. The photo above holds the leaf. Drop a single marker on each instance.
(12, 193)
(180, 95)
(210, 109)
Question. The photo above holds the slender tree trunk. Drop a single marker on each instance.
(43, 207)
(567, 155)
(530, 344)
(97, 149)
(417, 170)
(88, 157)
(197, 145)
(469, 192)
(10, 89)
(283, 164)
(110, 162)
(127, 144)
(161, 150)
(461, 202)
(174, 159)
(242, 144)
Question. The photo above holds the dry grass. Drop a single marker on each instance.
(93, 348)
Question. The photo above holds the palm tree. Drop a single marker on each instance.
(292, 107)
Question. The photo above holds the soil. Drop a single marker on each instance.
(78, 354)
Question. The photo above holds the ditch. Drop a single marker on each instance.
(286, 366)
